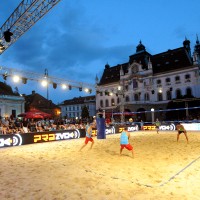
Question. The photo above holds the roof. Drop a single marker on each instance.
(170, 60)
(7, 90)
(38, 101)
(79, 100)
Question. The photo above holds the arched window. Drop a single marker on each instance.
(146, 96)
(189, 92)
(135, 84)
(160, 97)
(178, 94)
(136, 97)
(169, 95)
(101, 104)
(127, 99)
(107, 103)
(112, 102)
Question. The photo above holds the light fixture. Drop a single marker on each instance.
(64, 86)
(16, 78)
(86, 90)
(54, 85)
(5, 76)
(70, 87)
(7, 35)
(24, 80)
(44, 83)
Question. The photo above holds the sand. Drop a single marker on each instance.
(161, 169)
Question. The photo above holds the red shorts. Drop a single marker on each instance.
(87, 139)
(127, 146)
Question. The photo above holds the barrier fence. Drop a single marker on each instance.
(11, 140)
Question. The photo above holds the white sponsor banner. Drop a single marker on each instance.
(191, 126)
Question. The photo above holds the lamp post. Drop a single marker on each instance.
(46, 76)
(152, 115)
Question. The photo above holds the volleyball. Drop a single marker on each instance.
(130, 120)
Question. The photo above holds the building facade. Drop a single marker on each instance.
(11, 103)
(147, 83)
(72, 108)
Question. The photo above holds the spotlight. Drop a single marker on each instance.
(80, 89)
(7, 35)
(2, 47)
(5, 76)
(54, 85)
(64, 86)
(16, 79)
(24, 80)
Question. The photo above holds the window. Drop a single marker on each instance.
(135, 84)
(167, 80)
(101, 104)
(159, 83)
(112, 102)
(107, 103)
(189, 92)
(160, 97)
(136, 97)
(118, 100)
(177, 79)
(169, 95)
(178, 94)
(127, 99)
(187, 78)
(146, 96)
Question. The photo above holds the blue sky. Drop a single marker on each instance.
(77, 38)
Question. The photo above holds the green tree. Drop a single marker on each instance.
(85, 113)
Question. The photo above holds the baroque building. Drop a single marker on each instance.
(149, 82)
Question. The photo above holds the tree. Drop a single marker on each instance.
(85, 113)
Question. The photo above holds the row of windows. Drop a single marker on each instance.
(73, 108)
(147, 97)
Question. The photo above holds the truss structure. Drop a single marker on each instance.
(11, 72)
(23, 18)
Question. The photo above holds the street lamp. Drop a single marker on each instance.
(152, 115)
(46, 77)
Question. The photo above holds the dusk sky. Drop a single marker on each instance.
(77, 38)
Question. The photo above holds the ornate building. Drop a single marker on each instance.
(11, 103)
(149, 82)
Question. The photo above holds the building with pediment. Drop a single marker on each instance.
(11, 103)
(148, 82)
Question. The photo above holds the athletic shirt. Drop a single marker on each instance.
(124, 138)
(181, 128)
(89, 135)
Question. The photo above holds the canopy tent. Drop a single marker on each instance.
(35, 114)
(44, 114)
(31, 115)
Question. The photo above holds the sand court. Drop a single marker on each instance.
(161, 169)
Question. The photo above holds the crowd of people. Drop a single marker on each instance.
(12, 126)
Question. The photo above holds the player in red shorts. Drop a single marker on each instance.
(88, 137)
(124, 141)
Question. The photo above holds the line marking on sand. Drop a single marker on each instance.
(146, 185)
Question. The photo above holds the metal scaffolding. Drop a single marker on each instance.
(23, 18)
